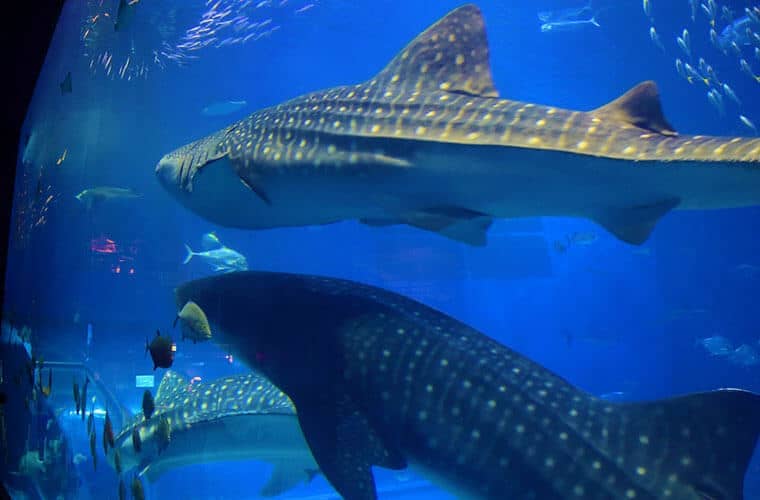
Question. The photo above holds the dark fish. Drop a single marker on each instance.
(122, 490)
(148, 405)
(117, 461)
(84, 399)
(77, 400)
(46, 390)
(90, 422)
(3, 398)
(108, 430)
(163, 434)
(137, 489)
(93, 451)
(66, 84)
(379, 379)
(161, 350)
(136, 441)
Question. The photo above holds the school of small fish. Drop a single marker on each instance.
(732, 34)
(173, 32)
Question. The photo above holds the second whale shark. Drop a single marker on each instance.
(429, 143)
(379, 379)
(241, 417)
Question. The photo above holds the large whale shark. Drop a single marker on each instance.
(428, 142)
(241, 417)
(380, 379)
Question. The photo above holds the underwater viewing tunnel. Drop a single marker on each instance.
(489, 250)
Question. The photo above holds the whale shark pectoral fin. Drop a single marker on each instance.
(641, 107)
(257, 190)
(634, 224)
(345, 446)
(287, 474)
(459, 224)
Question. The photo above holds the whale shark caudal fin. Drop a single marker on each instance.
(189, 255)
(707, 438)
(704, 441)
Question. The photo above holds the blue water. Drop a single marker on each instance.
(634, 313)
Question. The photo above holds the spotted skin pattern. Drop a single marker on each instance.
(483, 420)
(436, 102)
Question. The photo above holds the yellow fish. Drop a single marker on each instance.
(193, 322)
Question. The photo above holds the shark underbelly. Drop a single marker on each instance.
(270, 438)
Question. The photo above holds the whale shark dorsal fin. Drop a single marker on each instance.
(640, 106)
(172, 385)
(451, 55)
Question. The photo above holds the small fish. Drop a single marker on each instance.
(735, 49)
(717, 345)
(62, 158)
(729, 92)
(223, 108)
(161, 350)
(137, 489)
(694, 75)
(753, 14)
(91, 197)
(66, 84)
(90, 422)
(568, 25)
(223, 259)
(714, 97)
(93, 452)
(136, 441)
(684, 45)
(122, 490)
(694, 6)
(680, 70)
(77, 400)
(84, 397)
(745, 67)
(193, 323)
(116, 461)
(45, 390)
(712, 75)
(163, 434)
(647, 5)
(79, 458)
(748, 123)
(148, 405)
(655, 37)
(726, 14)
(108, 431)
(714, 39)
(711, 11)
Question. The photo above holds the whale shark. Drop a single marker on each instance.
(428, 142)
(379, 379)
(240, 417)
